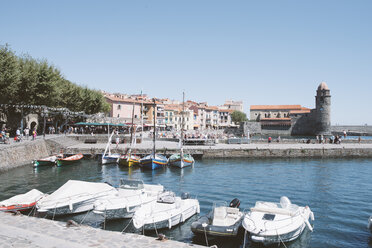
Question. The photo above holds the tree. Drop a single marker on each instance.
(238, 116)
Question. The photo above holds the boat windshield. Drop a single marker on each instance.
(131, 184)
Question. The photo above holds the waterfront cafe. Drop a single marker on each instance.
(95, 127)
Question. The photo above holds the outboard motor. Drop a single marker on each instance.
(185, 196)
(235, 203)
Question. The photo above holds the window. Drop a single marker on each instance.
(118, 115)
(268, 217)
(119, 107)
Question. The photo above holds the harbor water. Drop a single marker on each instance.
(338, 191)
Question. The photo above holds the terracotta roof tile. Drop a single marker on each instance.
(276, 107)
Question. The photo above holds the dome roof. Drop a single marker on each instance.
(323, 86)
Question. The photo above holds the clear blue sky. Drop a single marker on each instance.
(261, 52)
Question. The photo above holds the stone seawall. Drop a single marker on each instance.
(12, 156)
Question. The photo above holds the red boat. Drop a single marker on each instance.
(21, 202)
(69, 160)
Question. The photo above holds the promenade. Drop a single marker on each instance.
(22, 231)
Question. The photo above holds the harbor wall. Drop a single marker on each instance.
(302, 152)
(22, 154)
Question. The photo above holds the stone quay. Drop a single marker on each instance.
(23, 231)
(20, 154)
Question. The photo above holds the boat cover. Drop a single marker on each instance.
(75, 191)
(26, 198)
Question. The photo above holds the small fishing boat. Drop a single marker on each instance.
(270, 222)
(175, 160)
(74, 197)
(370, 223)
(181, 160)
(21, 202)
(69, 160)
(49, 161)
(167, 212)
(132, 194)
(107, 156)
(153, 162)
(129, 160)
(222, 221)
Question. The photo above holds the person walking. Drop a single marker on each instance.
(27, 132)
(34, 134)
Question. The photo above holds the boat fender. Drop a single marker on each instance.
(198, 209)
(182, 218)
(70, 206)
(308, 225)
(170, 223)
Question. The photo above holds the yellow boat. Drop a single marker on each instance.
(129, 160)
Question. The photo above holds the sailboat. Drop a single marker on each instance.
(181, 160)
(129, 159)
(153, 161)
(108, 157)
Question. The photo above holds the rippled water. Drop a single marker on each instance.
(338, 192)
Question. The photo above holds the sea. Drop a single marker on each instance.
(338, 191)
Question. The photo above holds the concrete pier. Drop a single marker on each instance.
(22, 231)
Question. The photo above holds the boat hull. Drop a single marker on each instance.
(278, 238)
(69, 160)
(153, 163)
(18, 207)
(213, 230)
(110, 160)
(129, 162)
(38, 163)
(170, 222)
(175, 160)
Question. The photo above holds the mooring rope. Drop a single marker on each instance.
(84, 217)
(54, 213)
(127, 225)
(280, 239)
(205, 234)
(156, 230)
(104, 221)
(245, 234)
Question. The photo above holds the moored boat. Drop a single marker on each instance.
(269, 222)
(181, 160)
(132, 194)
(74, 197)
(21, 202)
(69, 160)
(176, 160)
(166, 212)
(129, 160)
(222, 221)
(48, 161)
(111, 158)
(153, 162)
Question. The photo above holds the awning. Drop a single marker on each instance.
(100, 124)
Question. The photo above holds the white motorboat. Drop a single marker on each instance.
(132, 194)
(167, 212)
(74, 197)
(21, 202)
(370, 223)
(269, 222)
(222, 221)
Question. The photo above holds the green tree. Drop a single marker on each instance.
(238, 116)
(9, 75)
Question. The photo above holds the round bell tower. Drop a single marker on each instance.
(323, 110)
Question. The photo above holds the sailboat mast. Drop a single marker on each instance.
(183, 117)
(154, 126)
(131, 131)
(141, 117)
